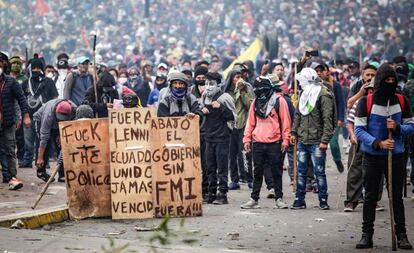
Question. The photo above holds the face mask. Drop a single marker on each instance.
(200, 82)
(37, 75)
(49, 75)
(179, 92)
(122, 80)
(262, 93)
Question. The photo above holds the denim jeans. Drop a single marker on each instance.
(217, 157)
(374, 168)
(267, 156)
(29, 143)
(318, 158)
(8, 152)
(240, 165)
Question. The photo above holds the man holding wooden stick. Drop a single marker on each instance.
(378, 113)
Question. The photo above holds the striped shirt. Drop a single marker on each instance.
(352, 112)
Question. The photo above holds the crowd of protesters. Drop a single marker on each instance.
(331, 77)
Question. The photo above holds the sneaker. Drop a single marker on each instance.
(15, 184)
(298, 204)
(44, 176)
(323, 205)
(61, 179)
(379, 208)
(315, 189)
(271, 194)
(349, 208)
(221, 199)
(402, 241)
(339, 166)
(6, 180)
(250, 185)
(280, 204)
(251, 204)
(234, 186)
(210, 198)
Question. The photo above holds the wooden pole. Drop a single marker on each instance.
(295, 145)
(51, 179)
(390, 198)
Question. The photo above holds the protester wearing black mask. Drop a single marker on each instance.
(137, 83)
(199, 81)
(38, 90)
(106, 94)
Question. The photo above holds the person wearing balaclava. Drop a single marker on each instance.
(377, 114)
(63, 70)
(219, 110)
(178, 101)
(269, 131)
(46, 121)
(199, 81)
(107, 93)
(313, 127)
(38, 90)
(242, 94)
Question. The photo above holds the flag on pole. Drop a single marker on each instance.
(250, 53)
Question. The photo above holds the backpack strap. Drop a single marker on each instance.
(400, 98)
(369, 103)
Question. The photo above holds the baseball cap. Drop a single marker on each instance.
(82, 60)
(64, 111)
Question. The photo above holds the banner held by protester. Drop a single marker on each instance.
(176, 177)
(85, 151)
(130, 158)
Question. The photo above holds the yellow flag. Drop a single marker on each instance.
(249, 54)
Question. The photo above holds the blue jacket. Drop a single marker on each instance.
(371, 129)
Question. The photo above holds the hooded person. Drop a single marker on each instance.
(160, 83)
(219, 110)
(38, 89)
(46, 121)
(269, 130)
(199, 81)
(140, 86)
(107, 93)
(251, 75)
(10, 92)
(177, 101)
(313, 127)
(242, 94)
(378, 114)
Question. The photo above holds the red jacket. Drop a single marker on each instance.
(268, 130)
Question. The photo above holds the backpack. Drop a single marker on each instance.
(289, 103)
(400, 98)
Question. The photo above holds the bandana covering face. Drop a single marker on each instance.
(311, 87)
(265, 96)
(179, 92)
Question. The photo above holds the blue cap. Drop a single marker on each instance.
(81, 60)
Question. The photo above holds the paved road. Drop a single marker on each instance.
(262, 230)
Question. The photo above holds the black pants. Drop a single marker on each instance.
(267, 156)
(20, 143)
(240, 164)
(375, 167)
(217, 157)
(204, 184)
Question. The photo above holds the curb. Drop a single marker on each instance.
(35, 219)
